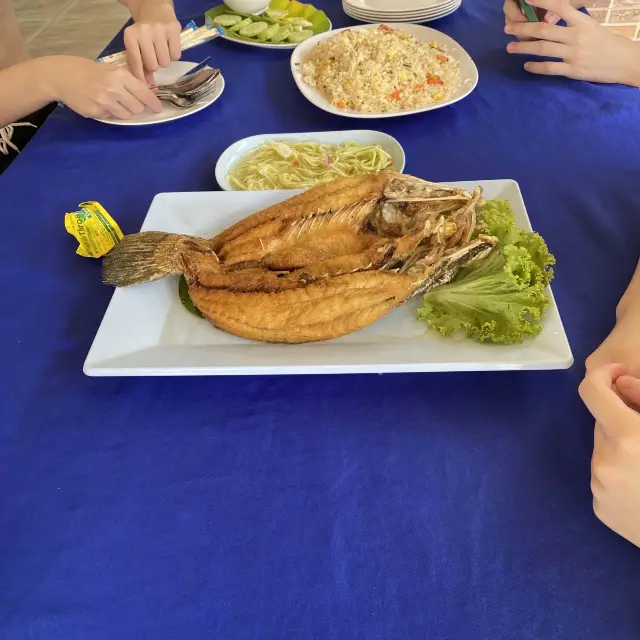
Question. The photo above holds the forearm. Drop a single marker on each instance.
(136, 7)
(633, 71)
(24, 89)
(630, 303)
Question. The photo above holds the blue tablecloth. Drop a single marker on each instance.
(400, 507)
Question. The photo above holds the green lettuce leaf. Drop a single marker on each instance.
(501, 299)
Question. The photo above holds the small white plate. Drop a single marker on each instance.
(166, 76)
(147, 332)
(468, 71)
(266, 45)
(237, 151)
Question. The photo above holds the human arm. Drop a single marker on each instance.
(584, 49)
(623, 343)
(153, 41)
(612, 395)
(90, 88)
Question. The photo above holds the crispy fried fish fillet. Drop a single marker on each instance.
(319, 265)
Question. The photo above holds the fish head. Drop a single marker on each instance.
(409, 204)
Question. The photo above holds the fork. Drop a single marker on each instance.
(185, 101)
(190, 83)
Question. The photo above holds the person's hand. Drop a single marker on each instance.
(613, 397)
(623, 343)
(585, 49)
(154, 40)
(97, 90)
(512, 12)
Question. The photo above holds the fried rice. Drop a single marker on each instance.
(380, 70)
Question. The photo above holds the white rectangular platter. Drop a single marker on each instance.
(147, 332)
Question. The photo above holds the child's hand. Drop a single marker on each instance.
(613, 397)
(94, 89)
(585, 50)
(154, 40)
(512, 12)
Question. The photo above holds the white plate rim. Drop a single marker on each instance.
(454, 5)
(177, 115)
(263, 45)
(396, 16)
(417, 21)
(227, 159)
(360, 4)
(554, 352)
(313, 96)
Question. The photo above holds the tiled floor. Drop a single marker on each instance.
(74, 27)
(84, 27)
(621, 16)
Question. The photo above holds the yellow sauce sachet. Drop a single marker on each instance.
(95, 230)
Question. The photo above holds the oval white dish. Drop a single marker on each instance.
(237, 151)
(468, 71)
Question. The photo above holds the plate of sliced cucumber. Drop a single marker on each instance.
(284, 25)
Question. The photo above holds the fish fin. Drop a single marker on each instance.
(149, 256)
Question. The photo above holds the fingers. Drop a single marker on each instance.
(173, 39)
(539, 31)
(552, 18)
(148, 50)
(512, 12)
(162, 55)
(599, 394)
(563, 9)
(134, 55)
(151, 46)
(132, 104)
(539, 48)
(549, 68)
(117, 110)
(629, 388)
(142, 92)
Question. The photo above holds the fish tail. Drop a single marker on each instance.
(149, 256)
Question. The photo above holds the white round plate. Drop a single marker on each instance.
(450, 9)
(237, 151)
(394, 6)
(266, 45)
(468, 71)
(166, 76)
(396, 15)
(430, 15)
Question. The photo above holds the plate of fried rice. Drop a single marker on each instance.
(378, 71)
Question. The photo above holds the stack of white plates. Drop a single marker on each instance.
(408, 11)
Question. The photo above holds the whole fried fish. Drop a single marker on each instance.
(319, 265)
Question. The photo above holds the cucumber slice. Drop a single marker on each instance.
(279, 5)
(283, 33)
(298, 29)
(300, 36)
(253, 29)
(241, 25)
(226, 20)
(267, 34)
